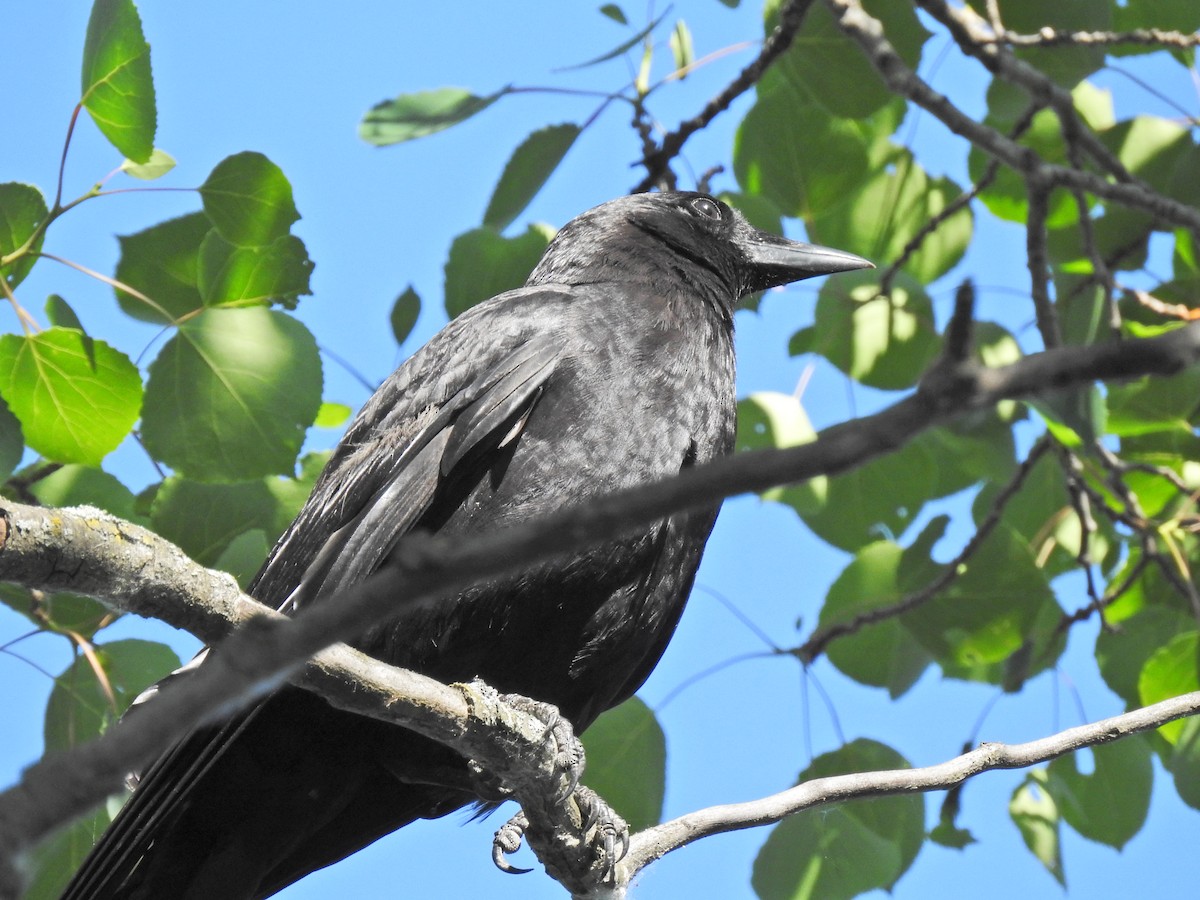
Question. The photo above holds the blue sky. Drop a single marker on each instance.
(292, 81)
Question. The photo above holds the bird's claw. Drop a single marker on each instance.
(565, 749)
(609, 832)
(508, 840)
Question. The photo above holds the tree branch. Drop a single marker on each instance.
(653, 843)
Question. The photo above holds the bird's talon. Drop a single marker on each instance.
(507, 840)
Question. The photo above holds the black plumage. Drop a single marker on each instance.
(612, 367)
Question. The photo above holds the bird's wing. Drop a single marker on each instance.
(456, 400)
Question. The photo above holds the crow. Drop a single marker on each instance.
(612, 367)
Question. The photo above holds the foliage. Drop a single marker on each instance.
(1100, 482)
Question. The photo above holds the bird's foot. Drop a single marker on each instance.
(564, 751)
(607, 832)
(604, 831)
(508, 840)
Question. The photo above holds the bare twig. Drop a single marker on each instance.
(656, 162)
(651, 844)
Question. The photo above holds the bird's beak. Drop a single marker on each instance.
(774, 260)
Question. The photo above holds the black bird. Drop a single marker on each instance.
(612, 367)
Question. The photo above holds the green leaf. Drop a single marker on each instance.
(12, 442)
(79, 709)
(1007, 196)
(974, 448)
(159, 164)
(795, 154)
(74, 612)
(1149, 405)
(614, 12)
(233, 276)
(1110, 805)
(331, 415)
(244, 556)
(60, 313)
(884, 654)
(77, 398)
(85, 486)
(998, 608)
(681, 48)
(249, 200)
(1065, 64)
(769, 419)
(828, 66)
(22, 209)
(204, 519)
(1041, 514)
(412, 116)
(1170, 671)
(53, 861)
(118, 88)
(838, 852)
(883, 341)
(1036, 816)
(291, 492)
(404, 314)
(483, 263)
(891, 210)
(620, 48)
(1076, 418)
(230, 396)
(527, 170)
(163, 263)
(627, 762)
(879, 499)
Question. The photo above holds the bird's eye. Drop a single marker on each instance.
(707, 208)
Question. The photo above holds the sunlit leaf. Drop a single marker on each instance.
(681, 47)
(331, 415)
(892, 209)
(1034, 813)
(118, 88)
(233, 276)
(884, 341)
(76, 398)
(249, 200)
(1170, 671)
(998, 607)
(230, 396)
(159, 164)
(22, 209)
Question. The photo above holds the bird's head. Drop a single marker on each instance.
(682, 236)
